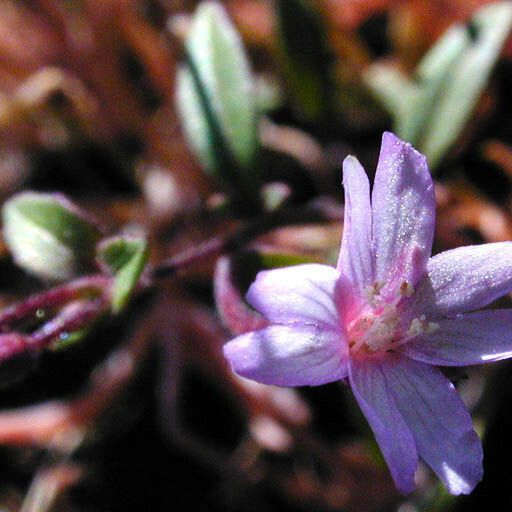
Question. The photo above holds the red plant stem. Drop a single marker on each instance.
(68, 321)
(54, 297)
(98, 283)
(77, 317)
(55, 423)
(318, 211)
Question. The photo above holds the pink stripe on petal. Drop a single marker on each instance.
(369, 385)
(473, 338)
(298, 294)
(439, 422)
(356, 259)
(404, 208)
(464, 279)
(289, 355)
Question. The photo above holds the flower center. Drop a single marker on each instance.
(378, 326)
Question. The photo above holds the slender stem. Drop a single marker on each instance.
(319, 211)
(54, 297)
(56, 422)
(69, 320)
(72, 318)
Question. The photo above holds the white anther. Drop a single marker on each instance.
(372, 292)
(421, 326)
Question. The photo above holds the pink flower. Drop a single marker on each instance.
(386, 317)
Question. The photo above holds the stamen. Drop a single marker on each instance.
(421, 326)
(378, 326)
(406, 289)
(372, 292)
(378, 285)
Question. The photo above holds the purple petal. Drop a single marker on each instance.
(356, 260)
(301, 355)
(473, 338)
(302, 293)
(369, 384)
(403, 213)
(439, 422)
(464, 279)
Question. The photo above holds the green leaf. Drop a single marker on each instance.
(307, 60)
(125, 258)
(469, 77)
(116, 252)
(431, 110)
(431, 76)
(392, 88)
(215, 95)
(48, 235)
(268, 95)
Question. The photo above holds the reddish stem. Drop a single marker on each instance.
(54, 297)
(69, 320)
(318, 211)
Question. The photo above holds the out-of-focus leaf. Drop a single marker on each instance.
(431, 110)
(426, 91)
(125, 258)
(269, 95)
(491, 26)
(275, 195)
(391, 87)
(307, 60)
(47, 235)
(215, 95)
(116, 252)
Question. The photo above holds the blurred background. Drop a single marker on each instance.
(215, 132)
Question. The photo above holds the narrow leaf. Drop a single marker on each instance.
(391, 87)
(215, 97)
(416, 109)
(431, 110)
(491, 26)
